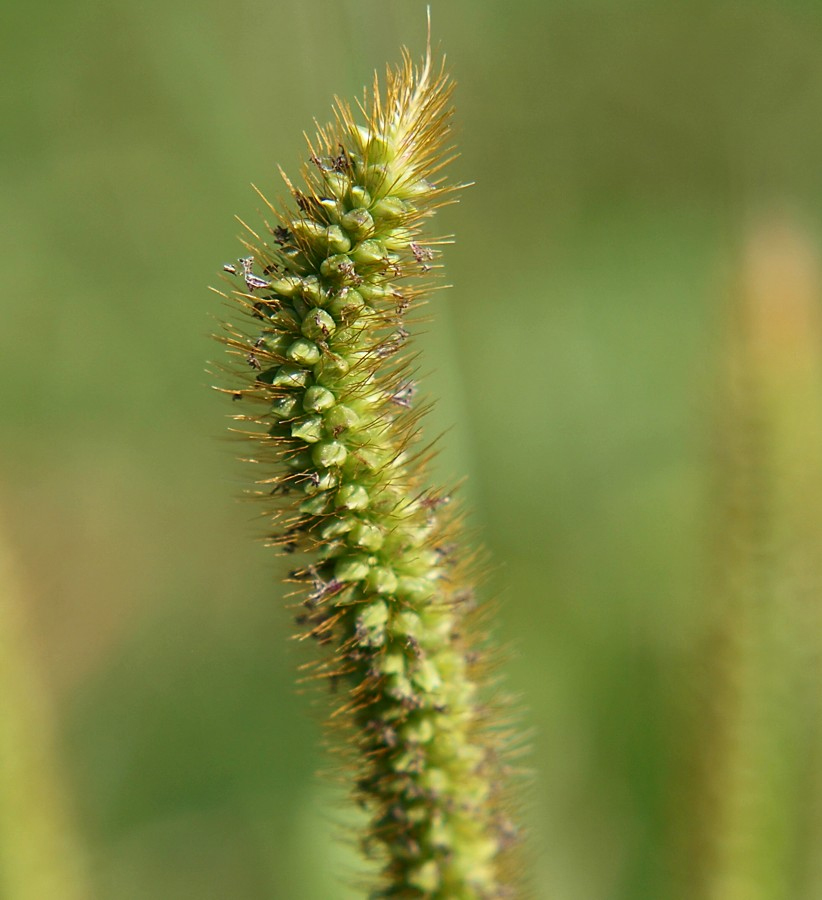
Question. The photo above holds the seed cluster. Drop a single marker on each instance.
(385, 588)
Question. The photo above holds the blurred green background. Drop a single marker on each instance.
(617, 149)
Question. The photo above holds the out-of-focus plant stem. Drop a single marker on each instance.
(40, 853)
(758, 783)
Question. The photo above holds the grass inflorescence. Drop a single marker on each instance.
(326, 392)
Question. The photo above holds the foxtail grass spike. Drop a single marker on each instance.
(41, 850)
(328, 399)
(757, 792)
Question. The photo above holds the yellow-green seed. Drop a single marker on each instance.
(337, 526)
(313, 291)
(340, 418)
(315, 506)
(426, 677)
(366, 535)
(389, 208)
(318, 325)
(285, 407)
(331, 367)
(360, 196)
(321, 481)
(351, 568)
(369, 253)
(338, 240)
(287, 286)
(381, 580)
(318, 399)
(308, 230)
(371, 622)
(309, 430)
(290, 377)
(329, 453)
(358, 223)
(392, 664)
(304, 352)
(352, 496)
(347, 304)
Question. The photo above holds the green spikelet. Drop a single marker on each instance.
(330, 399)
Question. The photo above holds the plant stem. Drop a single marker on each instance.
(40, 851)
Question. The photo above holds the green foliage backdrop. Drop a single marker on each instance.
(617, 149)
